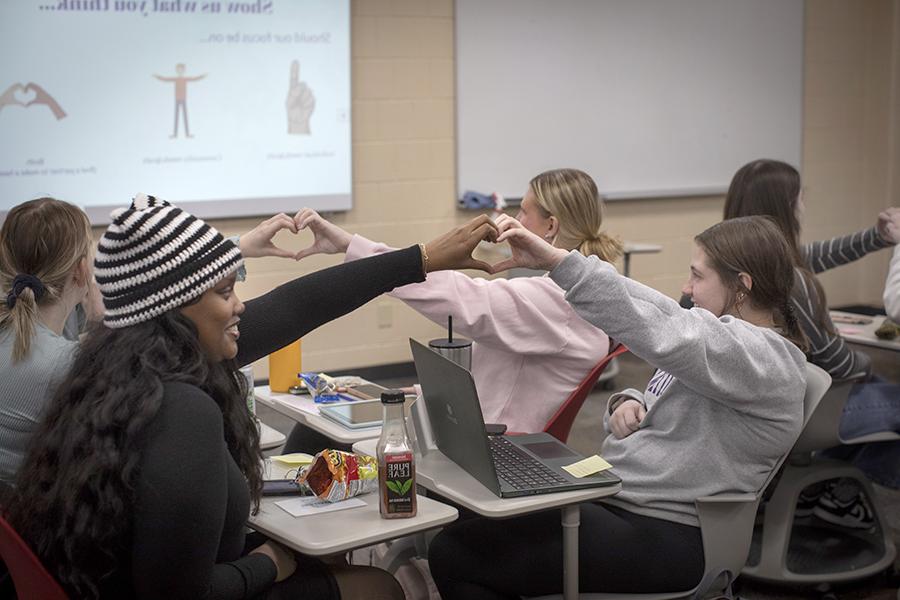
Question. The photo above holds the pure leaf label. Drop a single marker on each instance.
(405, 487)
(392, 485)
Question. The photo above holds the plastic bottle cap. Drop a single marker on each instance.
(392, 397)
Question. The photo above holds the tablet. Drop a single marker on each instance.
(356, 415)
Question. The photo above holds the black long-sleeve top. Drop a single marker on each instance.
(191, 500)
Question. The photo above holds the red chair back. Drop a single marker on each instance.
(560, 424)
(28, 574)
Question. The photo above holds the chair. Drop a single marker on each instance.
(726, 522)
(28, 574)
(814, 552)
(560, 424)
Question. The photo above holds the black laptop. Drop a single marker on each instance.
(509, 466)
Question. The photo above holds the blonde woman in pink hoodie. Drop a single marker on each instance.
(530, 348)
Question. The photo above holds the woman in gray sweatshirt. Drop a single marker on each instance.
(725, 403)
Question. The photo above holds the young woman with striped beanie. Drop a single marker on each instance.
(147, 464)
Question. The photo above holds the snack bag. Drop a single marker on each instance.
(334, 475)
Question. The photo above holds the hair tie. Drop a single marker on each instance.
(19, 283)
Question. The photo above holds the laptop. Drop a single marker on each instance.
(509, 466)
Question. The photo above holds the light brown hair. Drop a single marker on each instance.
(571, 196)
(757, 247)
(45, 238)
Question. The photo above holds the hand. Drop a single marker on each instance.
(258, 241)
(329, 238)
(528, 250)
(285, 562)
(889, 225)
(626, 419)
(8, 97)
(42, 97)
(453, 250)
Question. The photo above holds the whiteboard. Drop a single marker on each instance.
(652, 98)
(224, 107)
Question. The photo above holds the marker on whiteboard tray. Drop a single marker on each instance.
(476, 201)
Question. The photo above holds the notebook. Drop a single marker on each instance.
(509, 466)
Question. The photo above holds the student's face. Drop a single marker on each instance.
(532, 218)
(800, 207)
(216, 316)
(704, 285)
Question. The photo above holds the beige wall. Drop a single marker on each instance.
(404, 161)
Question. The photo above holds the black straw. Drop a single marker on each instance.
(450, 329)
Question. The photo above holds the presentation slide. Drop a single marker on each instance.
(225, 107)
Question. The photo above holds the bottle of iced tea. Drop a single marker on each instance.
(396, 465)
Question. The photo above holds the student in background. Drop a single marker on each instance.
(146, 465)
(45, 271)
(773, 188)
(725, 403)
(531, 349)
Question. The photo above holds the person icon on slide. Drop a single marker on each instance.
(300, 103)
(180, 96)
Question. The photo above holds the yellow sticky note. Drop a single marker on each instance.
(294, 460)
(588, 466)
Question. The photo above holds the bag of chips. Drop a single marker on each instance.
(334, 475)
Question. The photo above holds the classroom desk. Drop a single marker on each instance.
(629, 248)
(268, 437)
(864, 334)
(437, 473)
(304, 410)
(344, 530)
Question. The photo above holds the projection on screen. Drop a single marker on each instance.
(226, 107)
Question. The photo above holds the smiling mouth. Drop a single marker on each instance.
(233, 331)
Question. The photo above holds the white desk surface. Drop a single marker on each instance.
(639, 248)
(864, 334)
(303, 409)
(437, 473)
(268, 437)
(344, 530)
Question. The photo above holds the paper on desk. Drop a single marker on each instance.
(588, 466)
(311, 505)
(294, 460)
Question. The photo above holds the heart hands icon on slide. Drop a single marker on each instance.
(24, 96)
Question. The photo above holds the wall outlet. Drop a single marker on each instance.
(385, 316)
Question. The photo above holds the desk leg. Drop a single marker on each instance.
(571, 520)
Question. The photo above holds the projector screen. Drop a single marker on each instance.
(225, 107)
(650, 97)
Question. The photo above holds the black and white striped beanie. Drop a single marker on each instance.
(155, 257)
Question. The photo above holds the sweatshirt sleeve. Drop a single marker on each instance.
(526, 315)
(292, 310)
(180, 506)
(892, 288)
(827, 254)
(725, 359)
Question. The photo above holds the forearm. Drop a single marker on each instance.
(294, 309)
(827, 254)
(525, 315)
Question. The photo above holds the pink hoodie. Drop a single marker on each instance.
(530, 348)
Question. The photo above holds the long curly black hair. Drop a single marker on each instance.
(74, 494)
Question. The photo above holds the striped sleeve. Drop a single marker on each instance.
(827, 254)
(826, 350)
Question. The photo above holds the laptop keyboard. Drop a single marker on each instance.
(517, 468)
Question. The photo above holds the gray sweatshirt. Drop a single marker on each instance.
(725, 403)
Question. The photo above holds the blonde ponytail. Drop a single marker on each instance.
(41, 243)
(571, 196)
(603, 246)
